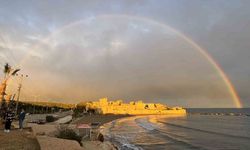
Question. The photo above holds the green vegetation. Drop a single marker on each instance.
(65, 133)
(79, 109)
(50, 118)
(40, 107)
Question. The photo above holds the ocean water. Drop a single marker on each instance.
(201, 129)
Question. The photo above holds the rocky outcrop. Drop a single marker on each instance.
(52, 143)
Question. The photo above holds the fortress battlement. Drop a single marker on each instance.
(103, 106)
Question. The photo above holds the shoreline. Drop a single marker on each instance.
(45, 133)
(103, 120)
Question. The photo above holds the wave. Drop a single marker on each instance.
(204, 131)
(180, 141)
(148, 132)
(142, 122)
(122, 143)
(119, 140)
(130, 147)
(167, 136)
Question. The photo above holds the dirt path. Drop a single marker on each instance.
(16, 139)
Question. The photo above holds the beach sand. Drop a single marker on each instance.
(102, 119)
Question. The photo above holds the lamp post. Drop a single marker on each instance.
(19, 89)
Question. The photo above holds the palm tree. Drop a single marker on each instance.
(7, 70)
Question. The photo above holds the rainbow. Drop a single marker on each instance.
(202, 51)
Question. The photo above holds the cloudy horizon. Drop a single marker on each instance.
(85, 50)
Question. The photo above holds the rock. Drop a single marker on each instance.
(100, 137)
(52, 143)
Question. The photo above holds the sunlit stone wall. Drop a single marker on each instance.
(104, 106)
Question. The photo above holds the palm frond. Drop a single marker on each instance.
(15, 71)
(7, 68)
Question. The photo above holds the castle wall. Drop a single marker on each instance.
(134, 108)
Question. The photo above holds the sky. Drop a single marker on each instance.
(132, 50)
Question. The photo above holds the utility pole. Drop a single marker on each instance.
(18, 96)
(19, 91)
(12, 100)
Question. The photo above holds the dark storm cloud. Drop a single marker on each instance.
(221, 27)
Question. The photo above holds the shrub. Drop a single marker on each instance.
(50, 118)
(69, 134)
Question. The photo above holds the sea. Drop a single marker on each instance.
(200, 129)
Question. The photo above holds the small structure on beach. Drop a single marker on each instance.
(103, 106)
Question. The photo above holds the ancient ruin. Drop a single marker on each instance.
(103, 106)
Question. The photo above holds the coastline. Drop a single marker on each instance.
(43, 136)
(173, 132)
(103, 120)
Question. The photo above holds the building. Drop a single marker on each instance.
(103, 106)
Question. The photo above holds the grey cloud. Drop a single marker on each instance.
(150, 66)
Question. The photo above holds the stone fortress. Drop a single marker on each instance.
(103, 106)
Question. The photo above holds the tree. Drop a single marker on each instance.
(8, 72)
(7, 69)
